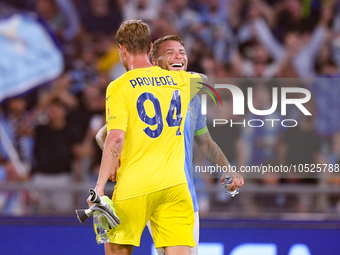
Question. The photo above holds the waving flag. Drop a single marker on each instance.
(28, 55)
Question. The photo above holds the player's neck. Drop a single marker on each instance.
(138, 61)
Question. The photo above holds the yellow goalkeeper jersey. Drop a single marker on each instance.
(150, 105)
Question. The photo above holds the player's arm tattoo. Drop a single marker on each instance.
(210, 150)
(214, 154)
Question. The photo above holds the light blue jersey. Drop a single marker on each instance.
(195, 124)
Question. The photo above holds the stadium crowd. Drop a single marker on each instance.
(53, 127)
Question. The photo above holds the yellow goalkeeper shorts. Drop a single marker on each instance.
(170, 212)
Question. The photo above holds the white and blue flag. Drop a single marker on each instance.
(29, 56)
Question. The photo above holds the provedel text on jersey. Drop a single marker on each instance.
(152, 81)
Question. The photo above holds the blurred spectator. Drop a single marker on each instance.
(198, 52)
(60, 88)
(84, 70)
(147, 10)
(162, 26)
(335, 43)
(86, 120)
(303, 147)
(91, 103)
(292, 14)
(89, 151)
(100, 16)
(186, 21)
(61, 17)
(258, 143)
(333, 178)
(18, 124)
(108, 54)
(333, 158)
(257, 64)
(245, 13)
(226, 135)
(254, 59)
(326, 91)
(304, 60)
(215, 31)
(15, 164)
(12, 202)
(54, 155)
(11, 6)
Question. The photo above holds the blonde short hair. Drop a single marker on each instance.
(135, 35)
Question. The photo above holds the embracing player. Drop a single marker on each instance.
(169, 53)
(144, 112)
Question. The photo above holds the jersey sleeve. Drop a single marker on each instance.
(196, 83)
(199, 75)
(201, 124)
(116, 108)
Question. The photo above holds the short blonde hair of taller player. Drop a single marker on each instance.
(135, 35)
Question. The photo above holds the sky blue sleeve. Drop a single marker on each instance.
(201, 125)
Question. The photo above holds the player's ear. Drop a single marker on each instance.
(151, 46)
(122, 49)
